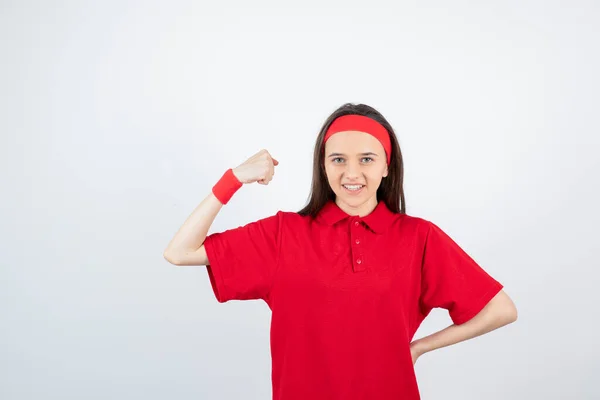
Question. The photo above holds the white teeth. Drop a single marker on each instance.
(353, 187)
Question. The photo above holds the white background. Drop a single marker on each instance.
(117, 117)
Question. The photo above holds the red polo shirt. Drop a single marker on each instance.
(347, 294)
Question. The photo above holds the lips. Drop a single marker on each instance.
(353, 192)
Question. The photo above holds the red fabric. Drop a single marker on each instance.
(226, 187)
(347, 294)
(352, 122)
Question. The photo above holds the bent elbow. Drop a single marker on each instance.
(511, 314)
(515, 314)
(507, 309)
(170, 257)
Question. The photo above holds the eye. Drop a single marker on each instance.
(336, 158)
(367, 158)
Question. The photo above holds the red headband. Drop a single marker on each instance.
(353, 122)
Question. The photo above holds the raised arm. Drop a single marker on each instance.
(186, 247)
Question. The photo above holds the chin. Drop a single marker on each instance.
(354, 199)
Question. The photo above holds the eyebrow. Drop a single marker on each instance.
(361, 154)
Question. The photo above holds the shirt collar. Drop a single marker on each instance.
(378, 220)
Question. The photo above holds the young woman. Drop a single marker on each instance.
(351, 276)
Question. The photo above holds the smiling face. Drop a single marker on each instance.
(355, 163)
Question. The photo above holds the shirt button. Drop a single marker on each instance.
(356, 223)
(357, 241)
(359, 261)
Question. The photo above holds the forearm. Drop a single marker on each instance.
(498, 312)
(186, 246)
(192, 233)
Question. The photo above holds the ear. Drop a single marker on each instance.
(385, 173)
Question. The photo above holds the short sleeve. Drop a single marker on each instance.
(243, 260)
(451, 279)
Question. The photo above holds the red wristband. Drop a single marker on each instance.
(226, 187)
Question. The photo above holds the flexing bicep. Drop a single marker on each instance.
(197, 257)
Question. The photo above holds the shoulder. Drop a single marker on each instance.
(422, 229)
(414, 223)
(294, 220)
(285, 219)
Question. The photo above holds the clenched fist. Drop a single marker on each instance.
(258, 168)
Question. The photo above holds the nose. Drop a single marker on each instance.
(352, 169)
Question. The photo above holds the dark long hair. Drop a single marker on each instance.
(390, 190)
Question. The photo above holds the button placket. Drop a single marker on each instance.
(357, 250)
